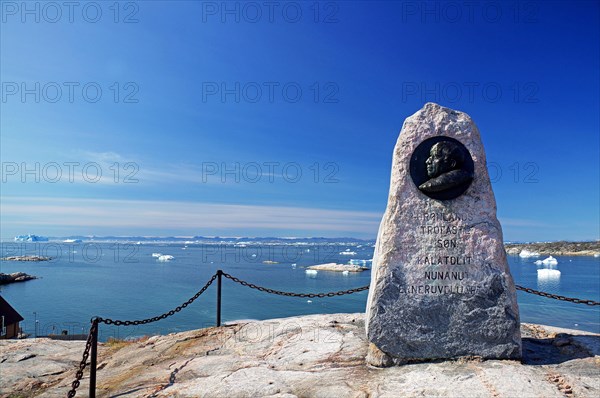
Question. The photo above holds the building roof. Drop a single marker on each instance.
(9, 313)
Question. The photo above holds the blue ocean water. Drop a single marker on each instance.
(124, 281)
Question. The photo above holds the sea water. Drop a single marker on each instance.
(126, 282)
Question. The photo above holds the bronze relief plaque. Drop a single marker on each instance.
(442, 168)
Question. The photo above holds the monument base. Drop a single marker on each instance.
(379, 359)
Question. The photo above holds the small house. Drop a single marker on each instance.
(9, 320)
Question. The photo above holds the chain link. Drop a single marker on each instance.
(289, 294)
(83, 363)
(556, 296)
(163, 316)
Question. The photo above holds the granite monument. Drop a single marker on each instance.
(440, 283)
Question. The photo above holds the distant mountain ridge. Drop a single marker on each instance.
(209, 239)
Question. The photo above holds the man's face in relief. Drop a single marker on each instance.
(438, 163)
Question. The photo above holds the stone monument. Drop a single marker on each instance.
(440, 283)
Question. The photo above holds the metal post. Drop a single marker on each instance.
(219, 273)
(94, 358)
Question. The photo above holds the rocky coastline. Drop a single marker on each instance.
(5, 279)
(26, 258)
(562, 248)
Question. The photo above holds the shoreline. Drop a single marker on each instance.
(560, 248)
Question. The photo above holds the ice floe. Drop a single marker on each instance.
(547, 261)
(165, 257)
(548, 274)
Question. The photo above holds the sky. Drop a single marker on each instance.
(279, 118)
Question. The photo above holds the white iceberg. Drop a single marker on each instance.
(548, 274)
(526, 254)
(345, 272)
(547, 261)
(165, 257)
(72, 241)
(30, 238)
(347, 252)
(156, 255)
(311, 272)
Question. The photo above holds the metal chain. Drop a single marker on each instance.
(289, 294)
(360, 289)
(557, 297)
(163, 316)
(83, 363)
(96, 320)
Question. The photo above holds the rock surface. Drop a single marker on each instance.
(440, 282)
(334, 267)
(26, 258)
(5, 279)
(310, 356)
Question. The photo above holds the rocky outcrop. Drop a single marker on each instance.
(5, 279)
(562, 248)
(334, 267)
(310, 356)
(26, 258)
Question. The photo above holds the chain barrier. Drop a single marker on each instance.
(83, 363)
(556, 296)
(109, 321)
(96, 320)
(289, 294)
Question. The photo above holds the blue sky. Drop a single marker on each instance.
(280, 120)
